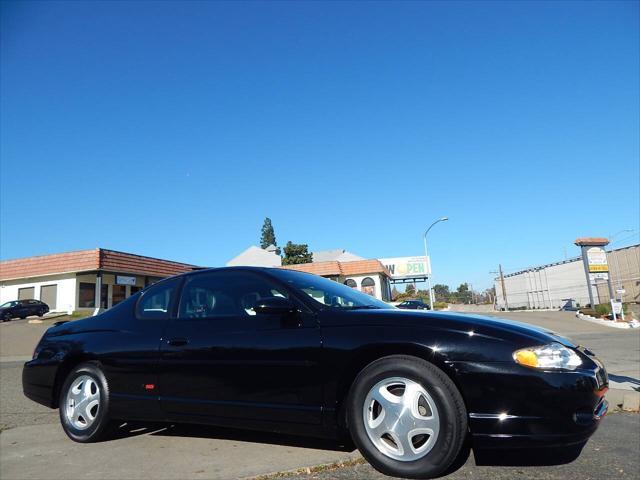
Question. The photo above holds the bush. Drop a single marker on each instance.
(440, 305)
(603, 309)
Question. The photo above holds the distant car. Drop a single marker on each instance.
(22, 309)
(414, 305)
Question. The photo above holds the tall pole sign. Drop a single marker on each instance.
(596, 268)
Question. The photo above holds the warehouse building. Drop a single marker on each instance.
(564, 283)
(83, 280)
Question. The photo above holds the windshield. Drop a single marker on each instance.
(9, 304)
(327, 292)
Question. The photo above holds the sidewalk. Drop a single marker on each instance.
(44, 451)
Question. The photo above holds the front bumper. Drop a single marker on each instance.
(511, 406)
(38, 379)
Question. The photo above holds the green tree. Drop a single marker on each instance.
(463, 294)
(394, 293)
(441, 292)
(268, 235)
(411, 289)
(296, 253)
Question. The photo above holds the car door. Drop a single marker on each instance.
(219, 359)
(22, 309)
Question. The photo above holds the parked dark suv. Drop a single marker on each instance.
(414, 305)
(22, 309)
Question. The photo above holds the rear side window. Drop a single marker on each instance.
(158, 300)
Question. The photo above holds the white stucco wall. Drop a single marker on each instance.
(66, 291)
(358, 279)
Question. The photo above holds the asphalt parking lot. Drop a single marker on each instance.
(33, 446)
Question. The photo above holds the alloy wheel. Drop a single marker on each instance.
(401, 419)
(82, 402)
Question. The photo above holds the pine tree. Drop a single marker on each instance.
(296, 253)
(267, 235)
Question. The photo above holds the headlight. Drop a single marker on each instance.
(552, 356)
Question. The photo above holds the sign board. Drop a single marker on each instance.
(597, 277)
(597, 260)
(122, 280)
(407, 267)
(616, 308)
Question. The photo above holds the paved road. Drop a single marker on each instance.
(613, 452)
(37, 448)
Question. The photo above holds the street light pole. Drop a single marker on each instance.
(426, 254)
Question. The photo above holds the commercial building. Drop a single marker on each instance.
(82, 280)
(368, 276)
(557, 284)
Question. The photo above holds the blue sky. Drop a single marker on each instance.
(171, 129)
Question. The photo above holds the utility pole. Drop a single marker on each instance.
(504, 290)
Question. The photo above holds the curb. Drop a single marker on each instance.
(606, 323)
(627, 400)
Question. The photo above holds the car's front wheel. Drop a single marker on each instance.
(6, 317)
(406, 417)
(41, 312)
(84, 404)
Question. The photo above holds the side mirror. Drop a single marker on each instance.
(274, 306)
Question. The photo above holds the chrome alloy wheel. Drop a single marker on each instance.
(83, 402)
(401, 419)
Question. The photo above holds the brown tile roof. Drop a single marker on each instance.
(596, 241)
(335, 268)
(323, 269)
(88, 260)
(113, 261)
(78, 261)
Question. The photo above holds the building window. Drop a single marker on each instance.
(104, 296)
(350, 282)
(86, 295)
(118, 294)
(135, 290)
(369, 286)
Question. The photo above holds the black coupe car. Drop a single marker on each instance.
(22, 309)
(285, 351)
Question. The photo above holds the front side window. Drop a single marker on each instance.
(326, 292)
(225, 294)
(156, 302)
(9, 304)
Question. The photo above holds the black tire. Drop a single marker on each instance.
(6, 317)
(22, 318)
(447, 398)
(41, 313)
(102, 426)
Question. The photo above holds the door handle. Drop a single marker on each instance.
(177, 342)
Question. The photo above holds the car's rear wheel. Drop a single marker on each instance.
(406, 417)
(84, 404)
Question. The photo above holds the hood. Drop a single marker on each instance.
(498, 328)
